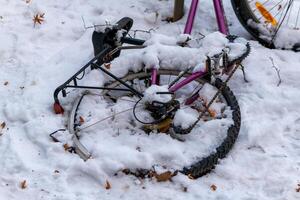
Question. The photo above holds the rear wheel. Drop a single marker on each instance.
(105, 125)
(274, 23)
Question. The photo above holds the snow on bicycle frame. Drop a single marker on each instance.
(107, 47)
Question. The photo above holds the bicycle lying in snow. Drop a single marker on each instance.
(182, 119)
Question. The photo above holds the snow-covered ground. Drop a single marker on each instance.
(264, 163)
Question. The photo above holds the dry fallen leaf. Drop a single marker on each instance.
(126, 171)
(81, 120)
(212, 113)
(107, 65)
(190, 176)
(2, 125)
(213, 187)
(66, 147)
(166, 176)
(23, 184)
(38, 18)
(107, 185)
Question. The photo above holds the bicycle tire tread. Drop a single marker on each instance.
(208, 163)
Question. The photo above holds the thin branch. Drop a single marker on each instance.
(143, 31)
(277, 71)
(244, 73)
(95, 25)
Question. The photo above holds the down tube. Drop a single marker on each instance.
(187, 80)
(221, 18)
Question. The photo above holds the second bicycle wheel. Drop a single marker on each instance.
(274, 23)
(105, 124)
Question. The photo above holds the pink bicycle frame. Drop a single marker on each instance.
(223, 28)
(220, 16)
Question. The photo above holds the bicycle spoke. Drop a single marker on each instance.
(272, 8)
(106, 118)
(278, 27)
(296, 24)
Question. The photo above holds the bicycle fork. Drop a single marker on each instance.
(220, 16)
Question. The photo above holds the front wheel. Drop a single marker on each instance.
(275, 24)
(106, 126)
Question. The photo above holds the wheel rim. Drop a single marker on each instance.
(161, 72)
(278, 18)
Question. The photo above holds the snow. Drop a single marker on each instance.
(185, 118)
(264, 163)
(153, 94)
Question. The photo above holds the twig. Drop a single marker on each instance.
(202, 36)
(244, 73)
(53, 133)
(277, 71)
(143, 31)
(95, 25)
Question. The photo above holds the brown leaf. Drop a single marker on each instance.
(165, 176)
(213, 187)
(151, 174)
(81, 120)
(190, 176)
(107, 65)
(107, 185)
(212, 113)
(126, 171)
(23, 184)
(38, 18)
(66, 147)
(2, 125)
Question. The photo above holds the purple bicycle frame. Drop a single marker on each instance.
(220, 15)
(223, 28)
